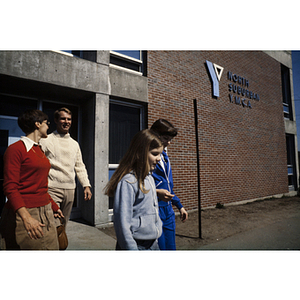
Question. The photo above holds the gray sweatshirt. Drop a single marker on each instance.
(135, 213)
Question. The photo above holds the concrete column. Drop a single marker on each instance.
(103, 57)
(101, 158)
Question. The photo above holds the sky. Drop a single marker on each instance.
(296, 84)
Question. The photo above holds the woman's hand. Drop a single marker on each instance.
(32, 226)
(183, 214)
(58, 214)
(164, 195)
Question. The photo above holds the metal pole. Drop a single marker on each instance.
(198, 166)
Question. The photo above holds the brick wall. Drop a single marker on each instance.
(242, 149)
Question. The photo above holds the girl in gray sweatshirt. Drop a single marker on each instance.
(136, 220)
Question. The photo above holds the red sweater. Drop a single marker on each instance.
(26, 177)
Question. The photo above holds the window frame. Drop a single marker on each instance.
(286, 93)
(142, 109)
(119, 60)
(291, 162)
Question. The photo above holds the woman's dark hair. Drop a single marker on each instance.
(27, 120)
(164, 127)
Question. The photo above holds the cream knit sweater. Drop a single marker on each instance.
(65, 158)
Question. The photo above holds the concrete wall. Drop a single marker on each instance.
(284, 57)
(128, 85)
(55, 68)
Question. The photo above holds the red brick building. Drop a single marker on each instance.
(242, 145)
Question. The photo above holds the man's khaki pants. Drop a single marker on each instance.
(64, 198)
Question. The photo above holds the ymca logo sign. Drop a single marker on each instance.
(215, 72)
(238, 86)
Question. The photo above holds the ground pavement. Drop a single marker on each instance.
(281, 235)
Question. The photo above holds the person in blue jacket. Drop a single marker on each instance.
(164, 187)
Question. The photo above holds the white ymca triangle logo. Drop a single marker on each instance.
(218, 70)
(215, 72)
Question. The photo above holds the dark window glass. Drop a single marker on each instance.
(128, 64)
(286, 92)
(132, 53)
(124, 123)
(133, 60)
(291, 161)
(88, 55)
(15, 106)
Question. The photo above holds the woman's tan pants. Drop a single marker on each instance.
(15, 234)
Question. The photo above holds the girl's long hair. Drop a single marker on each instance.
(135, 160)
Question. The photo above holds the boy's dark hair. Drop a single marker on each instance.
(27, 120)
(164, 127)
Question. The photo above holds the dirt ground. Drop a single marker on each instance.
(220, 223)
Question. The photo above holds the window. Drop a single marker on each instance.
(12, 105)
(134, 60)
(137, 54)
(125, 120)
(291, 162)
(286, 93)
(124, 123)
(88, 55)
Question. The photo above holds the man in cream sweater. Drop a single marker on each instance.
(65, 158)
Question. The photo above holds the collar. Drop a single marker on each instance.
(164, 155)
(28, 142)
(67, 135)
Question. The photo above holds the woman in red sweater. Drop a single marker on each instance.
(27, 220)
